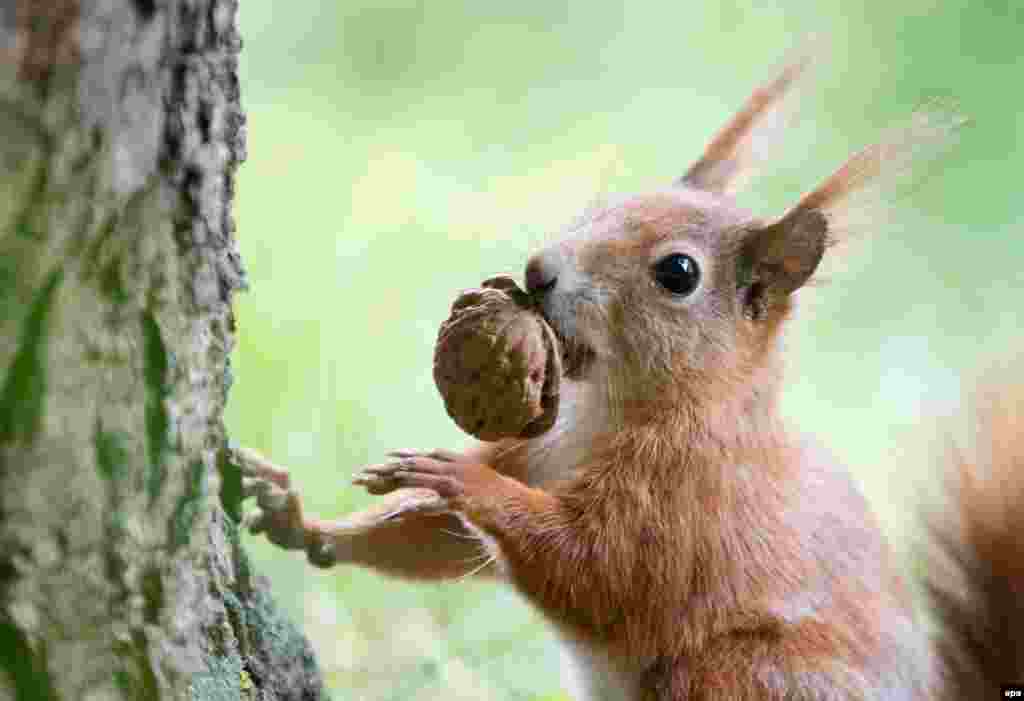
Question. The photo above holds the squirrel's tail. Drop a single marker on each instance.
(975, 578)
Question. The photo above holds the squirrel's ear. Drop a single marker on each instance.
(780, 257)
(745, 139)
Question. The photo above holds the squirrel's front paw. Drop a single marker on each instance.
(280, 515)
(461, 483)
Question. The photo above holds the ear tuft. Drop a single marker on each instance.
(781, 257)
(748, 138)
(856, 194)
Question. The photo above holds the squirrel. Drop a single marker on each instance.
(681, 539)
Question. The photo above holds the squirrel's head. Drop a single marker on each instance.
(680, 293)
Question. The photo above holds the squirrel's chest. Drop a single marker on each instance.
(553, 455)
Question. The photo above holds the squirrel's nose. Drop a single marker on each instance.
(541, 274)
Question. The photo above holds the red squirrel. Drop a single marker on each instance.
(681, 539)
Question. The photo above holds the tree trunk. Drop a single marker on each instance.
(121, 574)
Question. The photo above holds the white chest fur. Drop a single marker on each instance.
(589, 675)
(554, 455)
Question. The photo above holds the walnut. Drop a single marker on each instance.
(497, 363)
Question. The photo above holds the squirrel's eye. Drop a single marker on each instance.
(678, 273)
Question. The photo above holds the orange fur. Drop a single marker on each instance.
(684, 542)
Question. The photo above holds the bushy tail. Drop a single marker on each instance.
(975, 574)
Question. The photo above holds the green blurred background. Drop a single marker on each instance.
(402, 150)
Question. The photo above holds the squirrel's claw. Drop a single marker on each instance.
(437, 454)
(379, 479)
(255, 521)
(254, 465)
(279, 515)
(321, 553)
(438, 471)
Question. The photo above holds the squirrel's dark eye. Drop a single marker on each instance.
(678, 273)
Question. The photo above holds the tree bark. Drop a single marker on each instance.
(121, 574)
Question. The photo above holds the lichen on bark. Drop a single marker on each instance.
(121, 575)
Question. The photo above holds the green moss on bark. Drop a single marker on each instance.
(25, 668)
(24, 387)
(230, 484)
(188, 505)
(111, 454)
(157, 419)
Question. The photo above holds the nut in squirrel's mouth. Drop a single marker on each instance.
(577, 356)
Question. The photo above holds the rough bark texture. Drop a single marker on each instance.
(121, 574)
